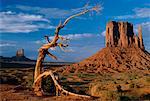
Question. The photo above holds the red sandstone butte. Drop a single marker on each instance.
(121, 34)
(124, 52)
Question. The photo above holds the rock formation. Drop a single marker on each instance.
(121, 34)
(141, 44)
(124, 51)
(19, 57)
(20, 53)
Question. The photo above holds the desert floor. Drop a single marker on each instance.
(16, 85)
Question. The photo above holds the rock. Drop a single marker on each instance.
(20, 56)
(136, 41)
(121, 34)
(141, 44)
(20, 53)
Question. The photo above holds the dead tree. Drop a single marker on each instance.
(43, 51)
(60, 89)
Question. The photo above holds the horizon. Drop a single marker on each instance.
(25, 23)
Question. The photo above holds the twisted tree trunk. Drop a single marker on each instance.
(38, 69)
(62, 91)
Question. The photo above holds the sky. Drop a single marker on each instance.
(24, 23)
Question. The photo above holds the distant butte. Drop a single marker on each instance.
(20, 53)
(19, 57)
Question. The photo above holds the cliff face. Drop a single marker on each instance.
(121, 34)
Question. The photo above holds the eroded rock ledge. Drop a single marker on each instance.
(122, 34)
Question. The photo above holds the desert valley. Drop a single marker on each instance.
(118, 72)
(74, 50)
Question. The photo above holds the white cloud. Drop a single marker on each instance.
(71, 36)
(76, 36)
(38, 42)
(145, 27)
(138, 13)
(22, 23)
(48, 12)
(103, 33)
(142, 12)
(52, 12)
(7, 44)
(125, 17)
(21, 17)
(37, 19)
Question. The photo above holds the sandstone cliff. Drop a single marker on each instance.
(121, 34)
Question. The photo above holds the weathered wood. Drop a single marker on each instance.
(63, 91)
(38, 69)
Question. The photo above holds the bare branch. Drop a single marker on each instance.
(95, 8)
(47, 39)
(51, 55)
(62, 45)
(60, 26)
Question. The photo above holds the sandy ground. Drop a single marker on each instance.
(13, 93)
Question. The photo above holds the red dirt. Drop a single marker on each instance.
(10, 93)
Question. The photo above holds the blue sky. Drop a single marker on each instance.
(23, 23)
